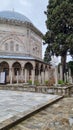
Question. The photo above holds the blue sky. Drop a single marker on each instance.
(33, 9)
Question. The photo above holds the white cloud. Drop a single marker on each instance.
(3, 4)
(25, 3)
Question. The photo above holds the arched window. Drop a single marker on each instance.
(11, 46)
(17, 47)
(27, 32)
(6, 46)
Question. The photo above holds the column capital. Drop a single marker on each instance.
(10, 68)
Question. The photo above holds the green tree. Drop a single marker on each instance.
(70, 65)
(59, 35)
(47, 56)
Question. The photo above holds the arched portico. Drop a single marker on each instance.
(4, 67)
(16, 71)
(28, 71)
(23, 71)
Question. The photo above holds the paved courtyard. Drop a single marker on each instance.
(58, 116)
(14, 102)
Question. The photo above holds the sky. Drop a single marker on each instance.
(32, 9)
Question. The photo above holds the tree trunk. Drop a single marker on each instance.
(63, 62)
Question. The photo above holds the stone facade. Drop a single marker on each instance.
(20, 40)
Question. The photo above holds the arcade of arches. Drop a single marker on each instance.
(23, 71)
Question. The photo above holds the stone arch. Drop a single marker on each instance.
(28, 65)
(28, 68)
(31, 62)
(4, 67)
(16, 68)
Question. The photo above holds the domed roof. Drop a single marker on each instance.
(12, 15)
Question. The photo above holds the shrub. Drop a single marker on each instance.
(46, 82)
(36, 82)
(30, 82)
(60, 82)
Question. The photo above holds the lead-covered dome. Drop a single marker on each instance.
(12, 15)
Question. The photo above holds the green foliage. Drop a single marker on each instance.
(70, 65)
(60, 82)
(46, 82)
(30, 82)
(36, 82)
(47, 57)
(59, 35)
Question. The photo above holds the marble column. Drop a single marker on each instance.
(42, 77)
(10, 75)
(46, 75)
(25, 75)
(33, 75)
(67, 76)
(39, 77)
(22, 74)
(70, 77)
(17, 77)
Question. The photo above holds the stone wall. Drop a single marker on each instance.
(18, 39)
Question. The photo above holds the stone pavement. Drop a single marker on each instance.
(58, 116)
(20, 104)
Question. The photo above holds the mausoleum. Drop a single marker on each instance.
(21, 49)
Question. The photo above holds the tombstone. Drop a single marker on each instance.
(70, 77)
(67, 77)
(61, 77)
(55, 64)
(56, 75)
(69, 72)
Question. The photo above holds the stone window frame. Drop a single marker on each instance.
(17, 47)
(11, 45)
(6, 46)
